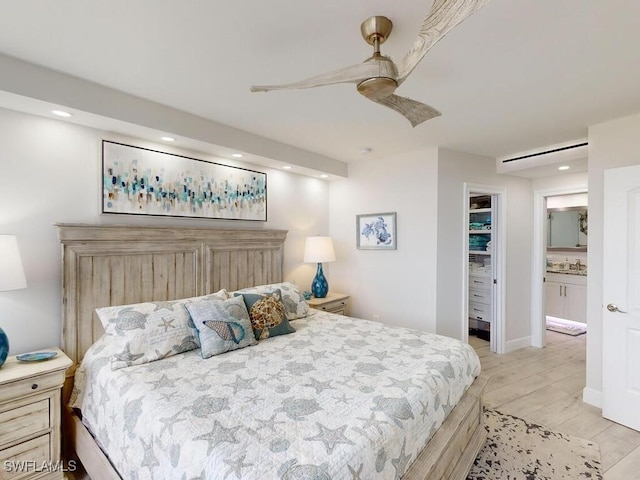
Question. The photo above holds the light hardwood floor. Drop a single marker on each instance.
(545, 385)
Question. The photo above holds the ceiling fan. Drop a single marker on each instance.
(378, 77)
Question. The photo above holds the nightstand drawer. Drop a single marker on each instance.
(24, 421)
(32, 454)
(30, 417)
(334, 307)
(28, 386)
(334, 303)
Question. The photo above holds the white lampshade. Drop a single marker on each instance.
(11, 270)
(319, 250)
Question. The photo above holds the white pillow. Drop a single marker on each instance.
(149, 331)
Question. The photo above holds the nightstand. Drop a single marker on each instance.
(30, 411)
(333, 302)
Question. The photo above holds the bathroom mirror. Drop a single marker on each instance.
(567, 228)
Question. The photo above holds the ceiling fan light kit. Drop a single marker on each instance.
(378, 77)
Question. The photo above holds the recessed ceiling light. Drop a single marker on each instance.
(168, 139)
(236, 155)
(324, 175)
(365, 151)
(564, 167)
(287, 167)
(61, 113)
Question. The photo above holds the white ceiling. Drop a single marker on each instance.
(517, 75)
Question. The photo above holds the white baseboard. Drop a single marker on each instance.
(592, 397)
(517, 344)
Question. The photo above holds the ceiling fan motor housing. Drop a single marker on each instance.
(375, 31)
(378, 87)
(382, 85)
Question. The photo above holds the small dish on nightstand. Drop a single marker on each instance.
(35, 356)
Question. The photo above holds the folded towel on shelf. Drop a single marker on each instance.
(478, 242)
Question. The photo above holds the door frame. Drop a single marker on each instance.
(539, 259)
(499, 262)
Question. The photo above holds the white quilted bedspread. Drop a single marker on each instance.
(340, 398)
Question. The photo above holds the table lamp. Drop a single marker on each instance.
(317, 250)
(11, 278)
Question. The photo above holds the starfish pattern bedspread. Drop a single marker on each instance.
(340, 398)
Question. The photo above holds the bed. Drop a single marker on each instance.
(283, 400)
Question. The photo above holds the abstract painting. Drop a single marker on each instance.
(376, 231)
(142, 181)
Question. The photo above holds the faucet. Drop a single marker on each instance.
(578, 264)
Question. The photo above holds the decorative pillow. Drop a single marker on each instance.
(219, 295)
(294, 303)
(146, 332)
(266, 311)
(223, 325)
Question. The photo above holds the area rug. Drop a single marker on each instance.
(565, 328)
(519, 450)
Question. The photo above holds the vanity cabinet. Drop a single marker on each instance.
(566, 296)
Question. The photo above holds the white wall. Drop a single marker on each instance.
(611, 145)
(420, 284)
(50, 173)
(567, 201)
(454, 169)
(397, 285)
(561, 183)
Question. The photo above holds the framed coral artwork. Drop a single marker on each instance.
(141, 181)
(376, 231)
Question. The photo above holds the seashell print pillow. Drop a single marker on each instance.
(223, 325)
(267, 314)
(295, 305)
(146, 332)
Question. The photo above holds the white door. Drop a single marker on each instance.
(621, 296)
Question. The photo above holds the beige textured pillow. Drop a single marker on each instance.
(295, 306)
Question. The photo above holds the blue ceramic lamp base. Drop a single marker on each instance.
(4, 346)
(319, 285)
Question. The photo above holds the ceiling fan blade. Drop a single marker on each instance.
(413, 111)
(443, 16)
(353, 74)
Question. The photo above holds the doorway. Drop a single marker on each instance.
(484, 266)
(539, 267)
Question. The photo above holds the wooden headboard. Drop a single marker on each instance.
(106, 265)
